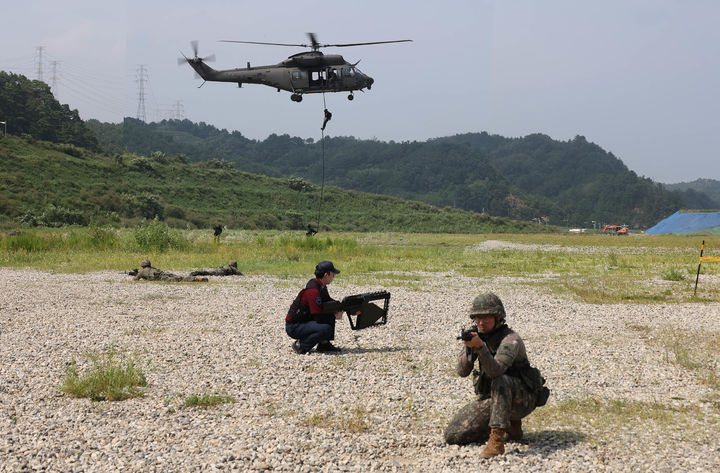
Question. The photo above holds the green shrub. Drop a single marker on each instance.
(157, 236)
(108, 379)
(143, 204)
(101, 237)
(53, 216)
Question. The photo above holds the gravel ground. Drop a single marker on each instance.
(381, 405)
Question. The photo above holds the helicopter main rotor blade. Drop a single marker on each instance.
(268, 44)
(313, 41)
(363, 44)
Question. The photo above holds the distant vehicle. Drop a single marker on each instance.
(307, 72)
(615, 229)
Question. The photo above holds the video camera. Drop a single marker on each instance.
(370, 314)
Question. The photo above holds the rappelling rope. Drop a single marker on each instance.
(322, 182)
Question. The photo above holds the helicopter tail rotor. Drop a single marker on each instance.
(194, 44)
(202, 71)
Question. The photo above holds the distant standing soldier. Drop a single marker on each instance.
(508, 388)
(217, 230)
(229, 270)
(153, 274)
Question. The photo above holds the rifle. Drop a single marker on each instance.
(370, 314)
(466, 334)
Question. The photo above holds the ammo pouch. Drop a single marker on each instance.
(531, 378)
(482, 384)
(535, 383)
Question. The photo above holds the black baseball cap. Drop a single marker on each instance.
(326, 267)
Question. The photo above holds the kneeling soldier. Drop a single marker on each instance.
(508, 388)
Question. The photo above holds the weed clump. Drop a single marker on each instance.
(673, 275)
(207, 400)
(109, 378)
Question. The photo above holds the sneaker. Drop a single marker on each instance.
(328, 348)
(298, 349)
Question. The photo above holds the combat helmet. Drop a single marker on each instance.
(145, 263)
(233, 263)
(488, 303)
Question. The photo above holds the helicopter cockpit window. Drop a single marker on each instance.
(298, 75)
(348, 72)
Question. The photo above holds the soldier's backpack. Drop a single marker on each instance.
(299, 312)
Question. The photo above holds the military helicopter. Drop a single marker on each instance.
(302, 73)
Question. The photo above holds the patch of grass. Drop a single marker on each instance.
(694, 350)
(352, 419)
(206, 401)
(673, 275)
(600, 419)
(322, 420)
(594, 269)
(110, 378)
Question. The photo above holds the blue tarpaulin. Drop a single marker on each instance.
(688, 222)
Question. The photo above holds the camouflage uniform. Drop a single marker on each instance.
(153, 274)
(501, 383)
(229, 270)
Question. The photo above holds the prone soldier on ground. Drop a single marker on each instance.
(508, 388)
(149, 273)
(230, 269)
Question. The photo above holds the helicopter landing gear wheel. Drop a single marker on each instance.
(351, 96)
(296, 98)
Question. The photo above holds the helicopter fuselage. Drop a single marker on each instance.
(303, 73)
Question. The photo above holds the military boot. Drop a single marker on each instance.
(515, 432)
(495, 444)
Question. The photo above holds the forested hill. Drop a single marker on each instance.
(573, 182)
(705, 189)
(29, 108)
(587, 182)
(43, 183)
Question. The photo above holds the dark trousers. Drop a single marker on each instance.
(310, 333)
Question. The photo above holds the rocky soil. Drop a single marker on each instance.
(381, 405)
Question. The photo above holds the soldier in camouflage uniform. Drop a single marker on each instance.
(153, 274)
(507, 386)
(229, 270)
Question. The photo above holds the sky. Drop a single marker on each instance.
(637, 77)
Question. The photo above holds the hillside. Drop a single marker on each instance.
(29, 108)
(438, 174)
(56, 184)
(710, 188)
(581, 178)
(573, 182)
